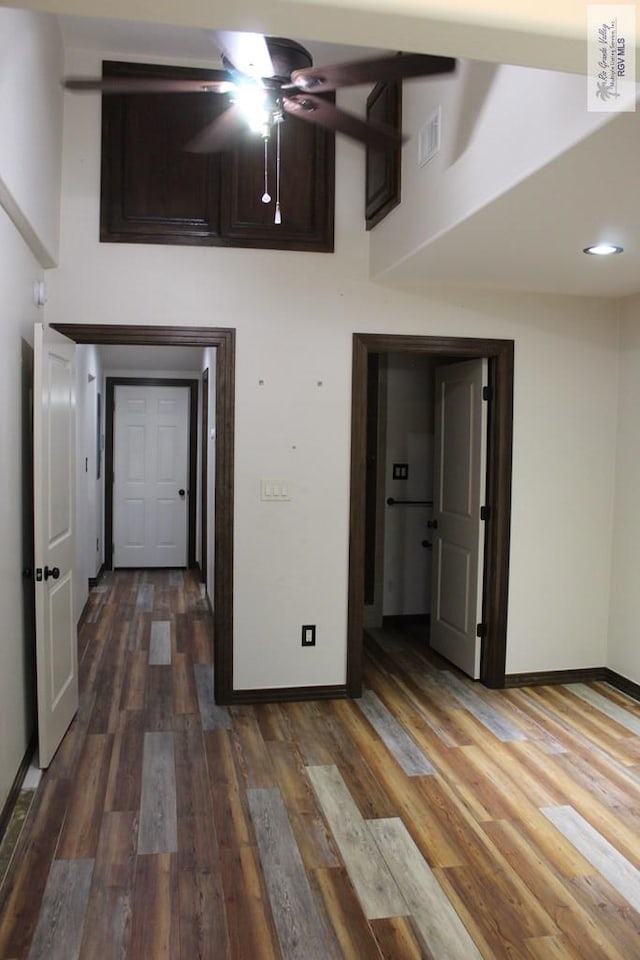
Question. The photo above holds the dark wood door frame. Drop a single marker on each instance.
(224, 340)
(204, 471)
(500, 354)
(111, 384)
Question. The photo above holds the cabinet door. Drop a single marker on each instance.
(153, 191)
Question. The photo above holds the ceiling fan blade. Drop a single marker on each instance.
(220, 134)
(326, 114)
(399, 67)
(145, 85)
(246, 52)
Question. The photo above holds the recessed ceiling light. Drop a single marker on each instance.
(603, 249)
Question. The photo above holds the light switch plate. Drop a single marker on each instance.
(275, 490)
(400, 471)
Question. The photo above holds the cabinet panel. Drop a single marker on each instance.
(384, 106)
(153, 191)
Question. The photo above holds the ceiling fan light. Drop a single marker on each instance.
(603, 249)
(252, 100)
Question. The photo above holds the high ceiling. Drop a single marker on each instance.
(528, 239)
(532, 237)
(188, 44)
(544, 33)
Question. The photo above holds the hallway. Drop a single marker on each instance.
(433, 818)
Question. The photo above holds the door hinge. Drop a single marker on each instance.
(481, 630)
(486, 393)
(485, 513)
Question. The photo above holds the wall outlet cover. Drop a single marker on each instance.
(309, 635)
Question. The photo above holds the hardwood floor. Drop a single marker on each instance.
(433, 818)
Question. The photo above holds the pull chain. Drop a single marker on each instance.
(278, 218)
(266, 196)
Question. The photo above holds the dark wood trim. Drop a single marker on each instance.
(384, 105)
(109, 476)
(287, 694)
(355, 613)
(204, 476)
(621, 683)
(224, 339)
(500, 354)
(553, 677)
(16, 787)
(580, 675)
(210, 199)
(194, 387)
(94, 581)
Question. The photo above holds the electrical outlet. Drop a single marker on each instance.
(309, 635)
(400, 471)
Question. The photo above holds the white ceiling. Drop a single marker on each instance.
(186, 44)
(529, 239)
(532, 237)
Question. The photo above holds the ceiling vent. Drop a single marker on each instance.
(429, 138)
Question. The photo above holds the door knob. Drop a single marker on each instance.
(181, 492)
(51, 572)
(432, 524)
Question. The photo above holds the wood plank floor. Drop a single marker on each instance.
(432, 819)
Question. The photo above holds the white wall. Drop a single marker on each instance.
(407, 564)
(31, 127)
(30, 160)
(485, 150)
(89, 545)
(18, 270)
(624, 648)
(295, 315)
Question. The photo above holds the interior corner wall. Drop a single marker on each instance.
(409, 439)
(88, 494)
(623, 653)
(488, 144)
(18, 270)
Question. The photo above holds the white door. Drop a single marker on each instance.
(54, 471)
(151, 450)
(459, 488)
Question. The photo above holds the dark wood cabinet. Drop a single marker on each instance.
(153, 191)
(384, 106)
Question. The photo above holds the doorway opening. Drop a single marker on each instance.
(110, 445)
(223, 339)
(500, 357)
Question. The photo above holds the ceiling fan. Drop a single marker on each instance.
(269, 77)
